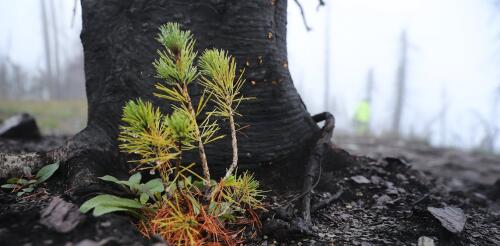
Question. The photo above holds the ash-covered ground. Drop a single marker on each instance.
(390, 194)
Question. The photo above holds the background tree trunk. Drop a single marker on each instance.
(119, 43)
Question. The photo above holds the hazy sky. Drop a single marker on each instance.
(21, 30)
(455, 52)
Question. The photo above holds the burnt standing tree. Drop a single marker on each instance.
(119, 48)
(400, 86)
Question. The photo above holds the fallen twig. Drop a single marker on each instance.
(327, 201)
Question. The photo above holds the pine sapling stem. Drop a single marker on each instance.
(234, 145)
(201, 148)
(179, 160)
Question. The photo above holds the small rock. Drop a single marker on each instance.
(157, 240)
(376, 180)
(380, 171)
(494, 191)
(425, 241)
(48, 242)
(396, 164)
(401, 177)
(382, 200)
(106, 224)
(345, 216)
(61, 216)
(451, 218)
(159, 244)
(392, 191)
(360, 179)
(20, 126)
(87, 242)
(105, 241)
(479, 198)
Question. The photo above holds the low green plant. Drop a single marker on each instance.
(105, 203)
(29, 184)
(242, 191)
(185, 208)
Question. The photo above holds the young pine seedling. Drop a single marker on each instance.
(188, 209)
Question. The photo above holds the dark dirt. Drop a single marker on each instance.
(461, 167)
(384, 204)
(388, 206)
(25, 146)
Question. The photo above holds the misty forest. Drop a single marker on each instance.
(257, 122)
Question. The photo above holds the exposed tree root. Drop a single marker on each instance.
(324, 203)
(313, 167)
(17, 165)
(283, 223)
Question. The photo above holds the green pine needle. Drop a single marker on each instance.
(175, 64)
(218, 71)
(145, 134)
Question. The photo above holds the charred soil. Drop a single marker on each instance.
(371, 201)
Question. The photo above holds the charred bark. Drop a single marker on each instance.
(119, 46)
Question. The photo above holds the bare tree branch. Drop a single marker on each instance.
(308, 28)
(75, 4)
(321, 3)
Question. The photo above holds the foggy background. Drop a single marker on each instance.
(443, 54)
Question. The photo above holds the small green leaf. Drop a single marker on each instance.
(109, 203)
(100, 210)
(212, 206)
(171, 188)
(9, 186)
(110, 179)
(12, 180)
(199, 184)
(144, 198)
(46, 172)
(196, 205)
(135, 179)
(20, 193)
(28, 190)
(154, 186)
(228, 217)
(115, 180)
(22, 181)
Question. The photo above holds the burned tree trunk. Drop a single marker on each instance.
(119, 46)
